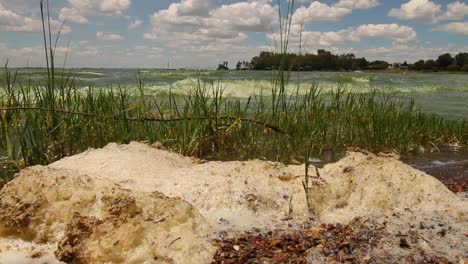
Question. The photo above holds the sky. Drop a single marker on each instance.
(204, 33)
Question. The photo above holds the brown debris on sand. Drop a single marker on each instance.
(456, 186)
(360, 241)
(19, 215)
(71, 248)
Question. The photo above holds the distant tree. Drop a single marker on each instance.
(430, 65)
(326, 61)
(322, 52)
(444, 61)
(238, 65)
(461, 59)
(418, 66)
(454, 67)
(464, 68)
(378, 65)
(347, 62)
(223, 66)
(363, 63)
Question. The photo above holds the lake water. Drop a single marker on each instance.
(445, 94)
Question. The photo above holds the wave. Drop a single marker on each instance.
(247, 88)
(89, 73)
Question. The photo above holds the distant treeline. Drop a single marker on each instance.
(326, 61)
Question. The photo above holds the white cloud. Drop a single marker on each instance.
(11, 20)
(424, 11)
(427, 11)
(72, 15)
(253, 16)
(198, 24)
(135, 24)
(319, 12)
(455, 11)
(194, 7)
(108, 36)
(455, 27)
(357, 4)
(397, 33)
(79, 10)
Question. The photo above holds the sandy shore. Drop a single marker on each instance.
(136, 203)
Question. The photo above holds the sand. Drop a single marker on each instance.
(120, 193)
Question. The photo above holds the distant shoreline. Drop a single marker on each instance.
(381, 71)
(413, 72)
(186, 69)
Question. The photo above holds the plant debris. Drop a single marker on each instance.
(361, 241)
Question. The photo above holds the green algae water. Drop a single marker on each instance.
(444, 94)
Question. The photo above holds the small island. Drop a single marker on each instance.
(223, 66)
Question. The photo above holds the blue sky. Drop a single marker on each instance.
(202, 33)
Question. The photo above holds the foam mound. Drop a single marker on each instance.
(231, 195)
(366, 184)
(120, 203)
(80, 219)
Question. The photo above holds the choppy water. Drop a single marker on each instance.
(445, 94)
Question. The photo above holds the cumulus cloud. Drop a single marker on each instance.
(253, 16)
(79, 10)
(72, 15)
(426, 11)
(11, 20)
(397, 33)
(108, 36)
(455, 28)
(319, 12)
(418, 10)
(455, 11)
(357, 4)
(135, 24)
(194, 7)
(200, 24)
